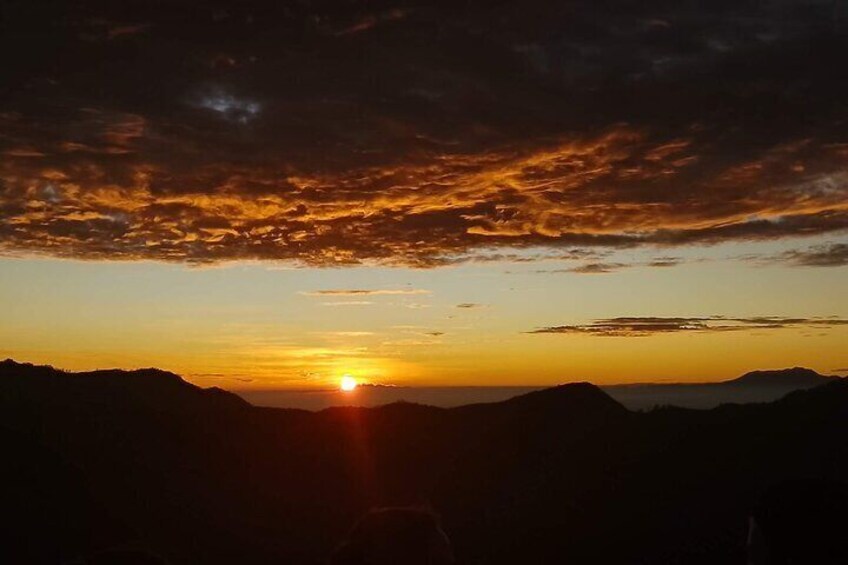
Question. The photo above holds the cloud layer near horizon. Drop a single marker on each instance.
(419, 134)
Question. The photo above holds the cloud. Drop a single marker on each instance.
(366, 292)
(833, 255)
(416, 330)
(597, 268)
(334, 135)
(348, 303)
(665, 262)
(345, 334)
(408, 343)
(370, 21)
(470, 305)
(607, 267)
(647, 326)
(224, 376)
(229, 106)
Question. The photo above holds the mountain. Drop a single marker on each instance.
(759, 386)
(753, 387)
(117, 389)
(562, 475)
(571, 399)
(574, 396)
(796, 377)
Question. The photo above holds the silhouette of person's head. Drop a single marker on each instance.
(800, 522)
(396, 536)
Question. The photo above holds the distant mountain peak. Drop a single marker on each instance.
(572, 396)
(795, 376)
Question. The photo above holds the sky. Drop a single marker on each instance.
(264, 194)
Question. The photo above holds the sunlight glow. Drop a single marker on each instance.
(348, 383)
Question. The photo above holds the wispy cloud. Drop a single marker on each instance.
(366, 292)
(834, 255)
(223, 376)
(370, 21)
(597, 268)
(664, 262)
(409, 343)
(344, 333)
(470, 305)
(650, 325)
(348, 303)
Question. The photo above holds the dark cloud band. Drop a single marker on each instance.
(834, 255)
(647, 326)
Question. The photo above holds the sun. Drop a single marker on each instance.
(348, 383)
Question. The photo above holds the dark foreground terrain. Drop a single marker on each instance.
(563, 475)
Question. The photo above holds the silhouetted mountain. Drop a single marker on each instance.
(756, 386)
(761, 386)
(574, 404)
(143, 388)
(797, 377)
(585, 397)
(563, 475)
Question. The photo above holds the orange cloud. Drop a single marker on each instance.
(408, 151)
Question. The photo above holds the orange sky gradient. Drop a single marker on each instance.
(275, 194)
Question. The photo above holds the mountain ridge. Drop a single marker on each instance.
(753, 386)
(564, 474)
(794, 376)
(147, 387)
